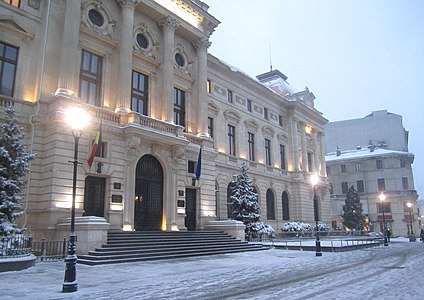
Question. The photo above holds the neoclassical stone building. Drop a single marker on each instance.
(142, 71)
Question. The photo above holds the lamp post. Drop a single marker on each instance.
(77, 119)
(314, 181)
(382, 198)
(411, 236)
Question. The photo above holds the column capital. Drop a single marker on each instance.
(202, 44)
(168, 23)
(128, 3)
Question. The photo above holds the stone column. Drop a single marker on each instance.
(69, 53)
(202, 100)
(303, 145)
(168, 26)
(322, 154)
(125, 56)
(316, 151)
(295, 145)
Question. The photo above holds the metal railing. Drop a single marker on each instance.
(49, 250)
(15, 246)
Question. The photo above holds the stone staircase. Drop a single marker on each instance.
(125, 247)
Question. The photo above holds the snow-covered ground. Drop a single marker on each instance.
(392, 272)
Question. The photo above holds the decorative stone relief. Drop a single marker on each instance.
(34, 4)
(240, 100)
(220, 90)
(258, 109)
(150, 49)
(106, 27)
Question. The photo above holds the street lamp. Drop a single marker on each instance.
(77, 119)
(314, 181)
(411, 237)
(382, 198)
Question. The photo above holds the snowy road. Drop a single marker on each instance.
(392, 272)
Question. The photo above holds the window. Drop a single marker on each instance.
(344, 187)
(360, 186)
(210, 126)
(266, 113)
(90, 78)
(208, 86)
(381, 185)
(310, 164)
(15, 3)
(402, 163)
(283, 156)
(358, 167)
(8, 64)
(231, 140)
(328, 170)
(142, 41)
(343, 168)
(405, 183)
(139, 93)
(383, 206)
(96, 18)
(267, 152)
(230, 96)
(179, 59)
(101, 149)
(379, 164)
(286, 211)
(179, 107)
(280, 120)
(251, 143)
(270, 205)
(249, 105)
(331, 189)
(191, 167)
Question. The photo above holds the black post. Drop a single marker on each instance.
(411, 237)
(70, 283)
(384, 228)
(316, 215)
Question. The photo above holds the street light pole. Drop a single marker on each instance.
(382, 198)
(314, 181)
(411, 237)
(77, 119)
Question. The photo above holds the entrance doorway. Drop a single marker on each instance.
(148, 207)
(190, 219)
(94, 196)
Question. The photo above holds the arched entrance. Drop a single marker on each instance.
(148, 206)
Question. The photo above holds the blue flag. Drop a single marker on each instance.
(199, 165)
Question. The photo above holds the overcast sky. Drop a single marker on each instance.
(355, 56)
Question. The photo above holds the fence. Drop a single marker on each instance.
(14, 246)
(47, 250)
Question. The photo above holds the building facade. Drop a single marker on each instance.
(371, 154)
(142, 71)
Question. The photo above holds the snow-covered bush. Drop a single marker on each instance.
(323, 226)
(296, 227)
(258, 229)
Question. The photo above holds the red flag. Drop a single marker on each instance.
(97, 143)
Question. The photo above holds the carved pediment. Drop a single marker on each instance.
(213, 108)
(12, 25)
(266, 130)
(251, 124)
(232, 116)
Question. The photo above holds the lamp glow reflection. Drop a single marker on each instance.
(314, 181)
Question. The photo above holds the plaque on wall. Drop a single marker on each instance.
(116, 198)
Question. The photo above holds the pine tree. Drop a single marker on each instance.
(14, 165)
(245, 206)
(353, 217)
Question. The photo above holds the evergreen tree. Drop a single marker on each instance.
(353, 217)
(14, 165)
(245, 206)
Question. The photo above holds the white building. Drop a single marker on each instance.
(371, 154)
(141, 70)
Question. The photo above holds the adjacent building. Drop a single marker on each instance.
(371, 154)
(142, 71)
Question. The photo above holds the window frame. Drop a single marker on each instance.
(140, 95)
(179, 106)
(251, 145)
(267, 146)
(231, 133)
(5, 60)
(90, 78)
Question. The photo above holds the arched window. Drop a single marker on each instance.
(270, 205)
(286, 212)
